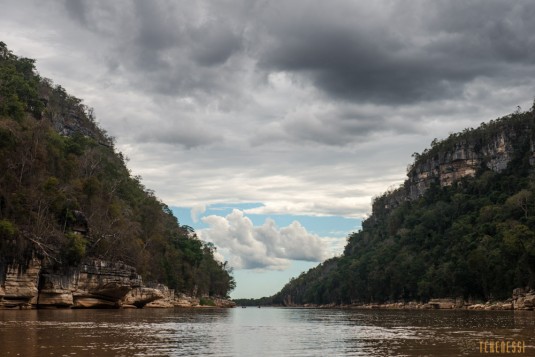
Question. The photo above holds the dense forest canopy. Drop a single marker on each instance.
(473, 239)
(66, 194)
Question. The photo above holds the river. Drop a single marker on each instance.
(263, 332)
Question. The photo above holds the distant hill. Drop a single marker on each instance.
(67, 195)
(462, 225)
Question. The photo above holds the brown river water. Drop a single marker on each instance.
(266, 332)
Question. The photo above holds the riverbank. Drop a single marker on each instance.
(94, 283)
(522, 299)
(166, 298)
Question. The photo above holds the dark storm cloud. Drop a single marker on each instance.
(102, 17)
(166, 47)
(308, 107)
(157, 27)
(342, 125)
(488, 30)
(76, 8)
(213, 44)
(380, 52)
(425, 50)
(349, 66)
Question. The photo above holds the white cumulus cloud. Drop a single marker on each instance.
(196, 211)
(268, 246)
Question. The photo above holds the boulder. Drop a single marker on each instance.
(161, 303)
(529, 300)
(442, 303)
(167, 299)
(141, 296)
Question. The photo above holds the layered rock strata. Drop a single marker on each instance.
(463, 158)
(93, 284)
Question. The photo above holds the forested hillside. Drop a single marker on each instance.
(66, 194)
(462, 225)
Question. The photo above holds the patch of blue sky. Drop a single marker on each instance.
(323, 226)
(257, 284)
(264, 282)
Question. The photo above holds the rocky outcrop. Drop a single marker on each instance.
(141, 296)
(219, 302)
(167, 300)
(19, 284)
(462, 159)
(442, 303)
(492, 146)
(94, 284)
(523, 299)
(104, 284)
(182, 300)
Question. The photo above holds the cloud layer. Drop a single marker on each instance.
(310, 107)
(262, 247)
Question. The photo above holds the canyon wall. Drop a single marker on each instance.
(93, 284)
(459, 156)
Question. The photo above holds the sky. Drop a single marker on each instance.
(269, 126)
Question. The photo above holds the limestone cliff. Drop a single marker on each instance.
(491, 146)
(19, 284)
(93, 284)
(462, 158)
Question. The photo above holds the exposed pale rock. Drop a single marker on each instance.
(20, 284)
(442, 303)
(55, 299)
(139, 297)
(523, 299)
(102, 279)
(57, 289)
(462, 160)
(186, 301)
(162, 303)
(223, 302)
(93, 284)
(167, 299)
(507, 306)
(529, 300)
(89, 302)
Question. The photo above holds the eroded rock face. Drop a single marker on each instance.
(167, 300)
(56, 290)
(224, 303)
(94, 284)
(139, 297)
(445, 303)
(104, 284)
(523, 299)
(19, 285)
(463, 160)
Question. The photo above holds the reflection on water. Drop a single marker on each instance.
(254, 332)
